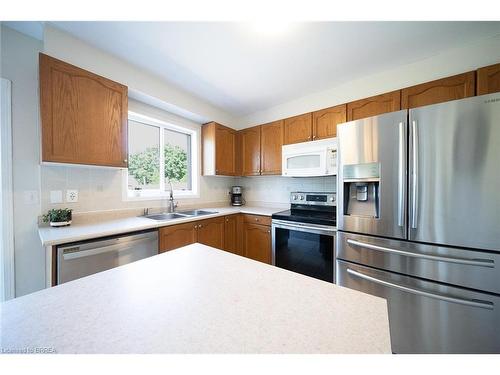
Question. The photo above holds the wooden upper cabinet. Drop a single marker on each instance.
(84, 116)
(373, 106)
(219, 150)
(324, 122)
(271, 142)
(438, 91)
(257, 242)
(297, 129)
(488, 79)
(250, 151)
(211, 232)
(238, 155)
(175, 236)
(231, 234)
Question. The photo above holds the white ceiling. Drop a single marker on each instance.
(243, 71)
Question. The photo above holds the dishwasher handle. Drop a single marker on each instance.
(75, 252)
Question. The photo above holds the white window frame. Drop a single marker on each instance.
(161, 193)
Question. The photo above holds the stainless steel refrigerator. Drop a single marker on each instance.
(419, 222)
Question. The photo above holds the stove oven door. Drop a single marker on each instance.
(304, 248)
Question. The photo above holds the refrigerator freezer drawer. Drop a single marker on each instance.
(429, 317)
(472, 269)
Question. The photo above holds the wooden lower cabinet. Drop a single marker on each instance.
(246, 235)
(231, 234)
(211, 232)
(257, 242)
(175, 236)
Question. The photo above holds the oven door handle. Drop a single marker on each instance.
(313, 228)
(474, 303)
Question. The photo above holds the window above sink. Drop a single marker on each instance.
(160, 151)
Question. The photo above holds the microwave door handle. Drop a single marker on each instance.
(473, 303)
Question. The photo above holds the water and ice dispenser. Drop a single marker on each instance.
(361, 190)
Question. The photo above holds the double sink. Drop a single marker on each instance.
(179, 215)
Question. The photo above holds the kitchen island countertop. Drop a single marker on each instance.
(196, 299)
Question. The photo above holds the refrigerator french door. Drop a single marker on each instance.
(419, 209)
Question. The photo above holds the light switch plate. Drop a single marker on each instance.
(71, 196)
(56, 196)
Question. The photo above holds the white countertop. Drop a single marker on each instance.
(101, 228)
(196, 299)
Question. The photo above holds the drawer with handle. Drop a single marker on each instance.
(257, 219)
(469, 268)
(426, 316)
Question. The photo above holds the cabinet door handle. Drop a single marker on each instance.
(125, 160)
(199, 226)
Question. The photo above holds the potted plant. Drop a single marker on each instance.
(60, 217)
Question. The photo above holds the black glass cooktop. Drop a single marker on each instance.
(314, 216)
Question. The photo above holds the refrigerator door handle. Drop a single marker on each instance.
(414, 175)
(489, 263)
(401, 173)
(473, 303)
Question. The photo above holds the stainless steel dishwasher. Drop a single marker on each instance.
(85, 258)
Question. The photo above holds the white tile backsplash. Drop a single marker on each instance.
(276, 189)
(101, 189)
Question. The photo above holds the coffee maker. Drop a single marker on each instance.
(236, 198)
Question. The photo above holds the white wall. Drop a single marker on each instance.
(449, 62)
(20, 65)
(72, 50)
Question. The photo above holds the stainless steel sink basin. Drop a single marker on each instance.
(197, 212)
(161, 217)
(179, 215)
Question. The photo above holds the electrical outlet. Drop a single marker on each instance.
(72, 196)
(30, 197)
(56, 196)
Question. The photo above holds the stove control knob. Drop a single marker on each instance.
(332, 199)
(301, 197)
(294, 197)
